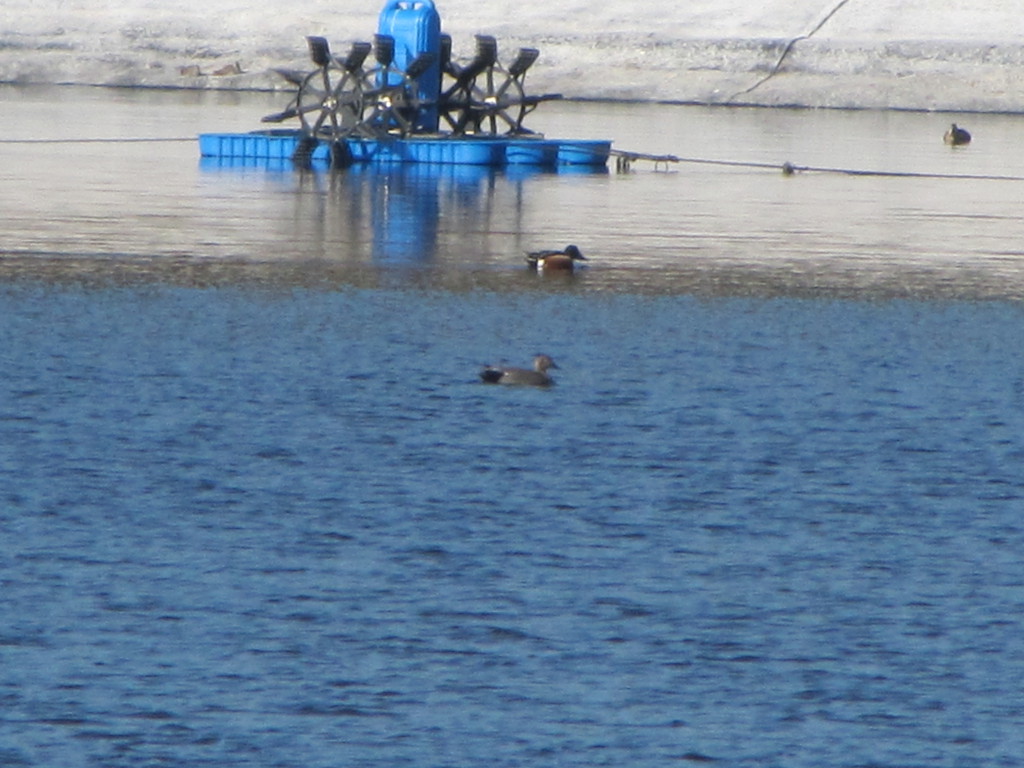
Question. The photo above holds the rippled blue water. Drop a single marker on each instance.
(257, 509)
(246, 526)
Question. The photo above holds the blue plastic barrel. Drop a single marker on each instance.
(416, 28)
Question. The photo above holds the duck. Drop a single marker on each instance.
(957, 135)
(537, 377)
(555, 261)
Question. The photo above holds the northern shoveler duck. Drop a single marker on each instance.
(555, 261)
(957, 135)
(538, 377)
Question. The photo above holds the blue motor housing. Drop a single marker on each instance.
(415, 26)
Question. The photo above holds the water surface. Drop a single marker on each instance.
(950, 225)
(257, 508)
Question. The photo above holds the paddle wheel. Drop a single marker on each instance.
(411, 88)
(483, 97)
(398, 98)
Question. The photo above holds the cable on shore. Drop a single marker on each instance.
(789, 47)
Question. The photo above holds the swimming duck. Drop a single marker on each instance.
(957, 135)
(555, 261)
(538, 377)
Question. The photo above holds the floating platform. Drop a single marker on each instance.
(494, 152)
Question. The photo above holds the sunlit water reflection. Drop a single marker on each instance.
(950, 228)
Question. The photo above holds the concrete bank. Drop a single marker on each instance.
(895, 54)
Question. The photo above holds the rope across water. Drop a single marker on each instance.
(624, 160)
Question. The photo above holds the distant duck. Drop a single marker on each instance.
(538, 377)
(957, 135)
(555, 261)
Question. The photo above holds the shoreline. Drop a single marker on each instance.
(857, 54)
(624, 100)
